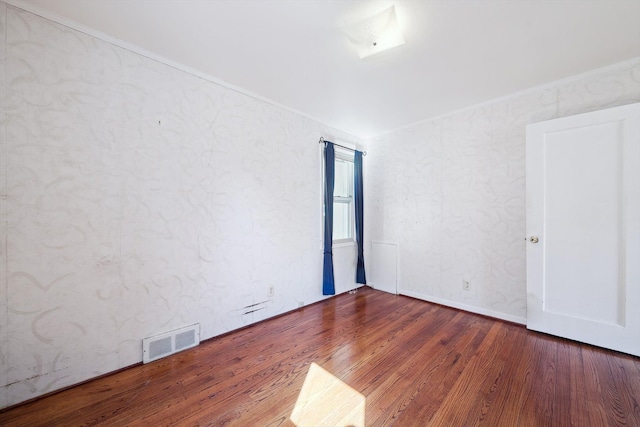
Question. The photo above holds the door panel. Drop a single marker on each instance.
(583, 192)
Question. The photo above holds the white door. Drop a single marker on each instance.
(384, 261)
(583, 228)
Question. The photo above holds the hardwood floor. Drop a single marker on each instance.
(385, 360)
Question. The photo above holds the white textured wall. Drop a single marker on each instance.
(451, 193)
(136, 199)
(3, 216)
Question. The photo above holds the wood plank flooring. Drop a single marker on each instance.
(411, 363)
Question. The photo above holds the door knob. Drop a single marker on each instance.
(533, 239)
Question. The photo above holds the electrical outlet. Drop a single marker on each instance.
(271, 291)
(466, 285)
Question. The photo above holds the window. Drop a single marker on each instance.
(343, 205)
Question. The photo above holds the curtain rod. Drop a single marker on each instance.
(322, 141)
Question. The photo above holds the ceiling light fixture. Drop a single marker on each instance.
(375, 34)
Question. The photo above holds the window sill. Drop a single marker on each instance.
(343, 244)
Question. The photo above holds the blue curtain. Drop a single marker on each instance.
(328, 287)
(359, 206)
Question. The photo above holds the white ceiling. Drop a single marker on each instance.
(458, 53)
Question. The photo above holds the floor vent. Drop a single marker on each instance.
(159, 346)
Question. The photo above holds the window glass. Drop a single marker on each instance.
(341, 221)
(344, 178)
(343, 206)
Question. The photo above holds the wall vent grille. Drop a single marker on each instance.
(252, 308)
(163, 345)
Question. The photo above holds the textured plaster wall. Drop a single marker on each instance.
(136, 199)
(451, 192)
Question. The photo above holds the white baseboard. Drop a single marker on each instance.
(465, 307)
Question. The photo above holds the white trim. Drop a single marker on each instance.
(343, 154)
(339, 243)
(465, 307)
(349, 145)
(321, 204)
(343, 243)
(27, 7)
(545, 86)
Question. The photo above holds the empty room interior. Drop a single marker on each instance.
(320, 212)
